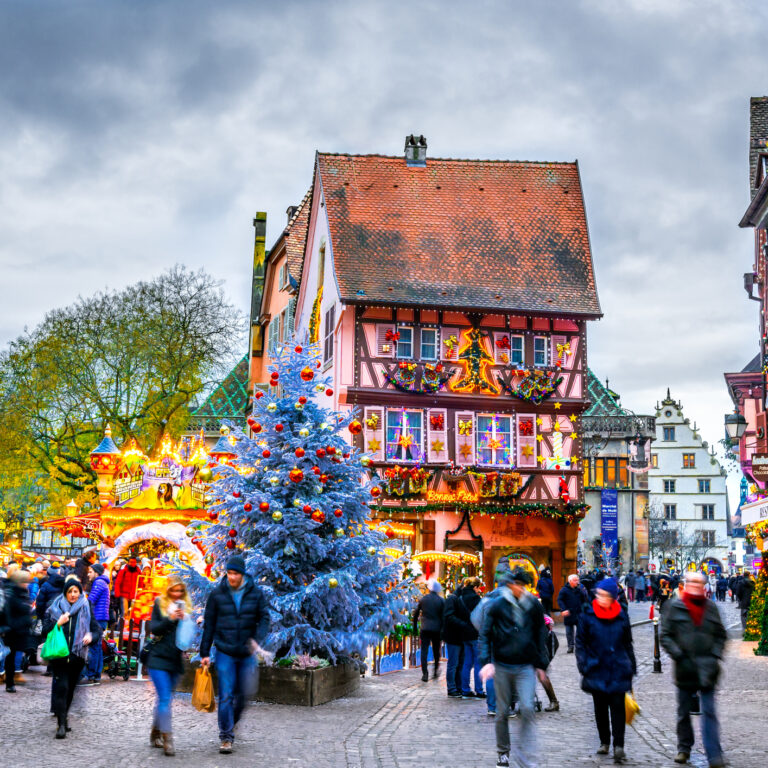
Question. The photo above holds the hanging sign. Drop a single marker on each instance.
(609, 521)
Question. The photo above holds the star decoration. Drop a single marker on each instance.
(540, 459)
(405, 441)
(539, 437)
(573, 417)
(539, 420)
(574, 435)
(373, 445)
(557, 406)
(495, 444)
(437, 446)
(465, 450)
(527, 450)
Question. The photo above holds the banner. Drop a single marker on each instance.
(609, 521)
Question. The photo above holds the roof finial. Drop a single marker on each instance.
(669, 397)
(108, 430)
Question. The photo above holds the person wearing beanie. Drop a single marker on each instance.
(72, 612)
(236, 621)
(99, 600)
(430, 612)
(692, 633)
(605, 657)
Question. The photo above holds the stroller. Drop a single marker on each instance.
(115, 660)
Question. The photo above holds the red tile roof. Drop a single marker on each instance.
(295, 235)
(471, 234)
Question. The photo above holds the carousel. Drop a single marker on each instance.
(146, 505)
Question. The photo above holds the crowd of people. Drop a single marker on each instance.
(499, 647)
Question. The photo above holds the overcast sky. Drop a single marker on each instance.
(135, 135)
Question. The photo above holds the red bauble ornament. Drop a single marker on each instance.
(278, 427)
(297, 349)
(355, 427)
(258, 394)
(337, 512)
(264, 506)
(346, 455)
(247, 506)
(251, 421)
(316, 470)
(376, 492)
(296, 475)
(236, 494)
(257, 428)
(389, 533)
(318, 516)
(323, 478)
(230, 544)
(265, 453)
(330, 450)
(274, 375)
(329, 391)
(317, 364)
(274, 383)
(307, 509)
(299, 453)
(233, 533)
(320, 452)
(307, 374)
(213, 514)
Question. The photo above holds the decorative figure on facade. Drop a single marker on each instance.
(476, 360)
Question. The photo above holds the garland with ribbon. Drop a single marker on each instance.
(536, 386)
(406, 480)
(569, 513)
(433, 377)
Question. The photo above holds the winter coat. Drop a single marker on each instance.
(605, 655)
(456, 624)
(744, 592)
(430, 611)
(231, 630)
(504, 641)
(640, 583)
(622, 598)
(99, 597)
(50, 589)
(126, 582)
(471, 600)
(629, 580)
(572, 600)
(696, 651)
(33, 588)
(18, 616)
(546, 588)
(69, 629)
(164, 654)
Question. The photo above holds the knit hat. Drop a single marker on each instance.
(521, 576)
(434, 585)
(98, 568)
(72, 581)
(236, 563)
(610, 586)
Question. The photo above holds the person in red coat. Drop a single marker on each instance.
(126, 582)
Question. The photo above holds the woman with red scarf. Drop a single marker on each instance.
(605, 657)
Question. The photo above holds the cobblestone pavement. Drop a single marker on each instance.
(394, 721)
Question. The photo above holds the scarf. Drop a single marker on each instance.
(696, 607)
(80, 612)
(606, 613)
(518, 609)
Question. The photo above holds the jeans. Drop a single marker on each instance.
(429, 638)
(164, 683)
(238, 681)
(490, 689)
(570, 631)
(710, 728)
(471, 662)
(612, 703)
(96, 657)
(455, 654)
(744, 612)
(516, 681)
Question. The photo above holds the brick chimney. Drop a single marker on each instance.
(415, 150)
(758, 139)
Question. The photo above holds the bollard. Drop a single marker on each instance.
(656, 646)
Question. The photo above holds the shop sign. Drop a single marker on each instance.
(760, 466)
(754, 513)
(455, 497)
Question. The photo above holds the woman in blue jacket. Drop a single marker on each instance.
(99, 599)
(605, 657)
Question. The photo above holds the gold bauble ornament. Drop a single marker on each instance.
(272, 407)
(277, 515)
(297, 502)
(339, 532)
(371, 551)
(224, 429)
(303, 432)
(333, 583)
(319, 387)
(205, 475)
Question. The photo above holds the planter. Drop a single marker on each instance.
(297, 687)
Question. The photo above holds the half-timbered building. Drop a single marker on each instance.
(451, 300)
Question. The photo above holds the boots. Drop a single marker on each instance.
(61, 731)
(155, 738)
(168, 745)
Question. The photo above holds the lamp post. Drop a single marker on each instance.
(735, 426)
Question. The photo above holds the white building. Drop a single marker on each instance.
(688, 503)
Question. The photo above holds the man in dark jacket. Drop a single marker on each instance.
(50, 589)
(546, 590)
(16, 621)
(570, 600)
(456, 628)
(236, 621)
(692, 633)
(513, 650)
(430, 611)
(744, 590)
(82, 567)
(470, 597)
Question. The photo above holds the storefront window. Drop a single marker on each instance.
(404, 435)
(494, 440)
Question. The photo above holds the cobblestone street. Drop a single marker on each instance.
(394, 721)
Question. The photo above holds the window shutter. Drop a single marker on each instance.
(448, 349)
(437, 436)
(501, 353)
(373, 433)
(290, 314)
(465, 438)
(553, 356)
(526, 440)
(384, 347)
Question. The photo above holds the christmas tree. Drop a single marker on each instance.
(294, 501)
(757, 606)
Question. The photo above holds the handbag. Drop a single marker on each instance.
(146, 650)
(55, 645)
(631, 707)
(202, 692)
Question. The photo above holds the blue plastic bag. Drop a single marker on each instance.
(185, 633)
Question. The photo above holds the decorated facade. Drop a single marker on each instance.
(451, 300)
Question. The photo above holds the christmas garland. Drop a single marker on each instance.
(536, 386)
(570, 513)
(404, 378)
(314, 318)
(411, 481)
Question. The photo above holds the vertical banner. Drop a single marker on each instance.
(609, 521)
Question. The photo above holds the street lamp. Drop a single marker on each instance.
(735, 426)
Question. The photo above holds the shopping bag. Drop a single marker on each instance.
(185, 633)
(202, 692)
(55, 645)
(631, 707)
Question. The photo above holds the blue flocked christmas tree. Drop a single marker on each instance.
(294, 501)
